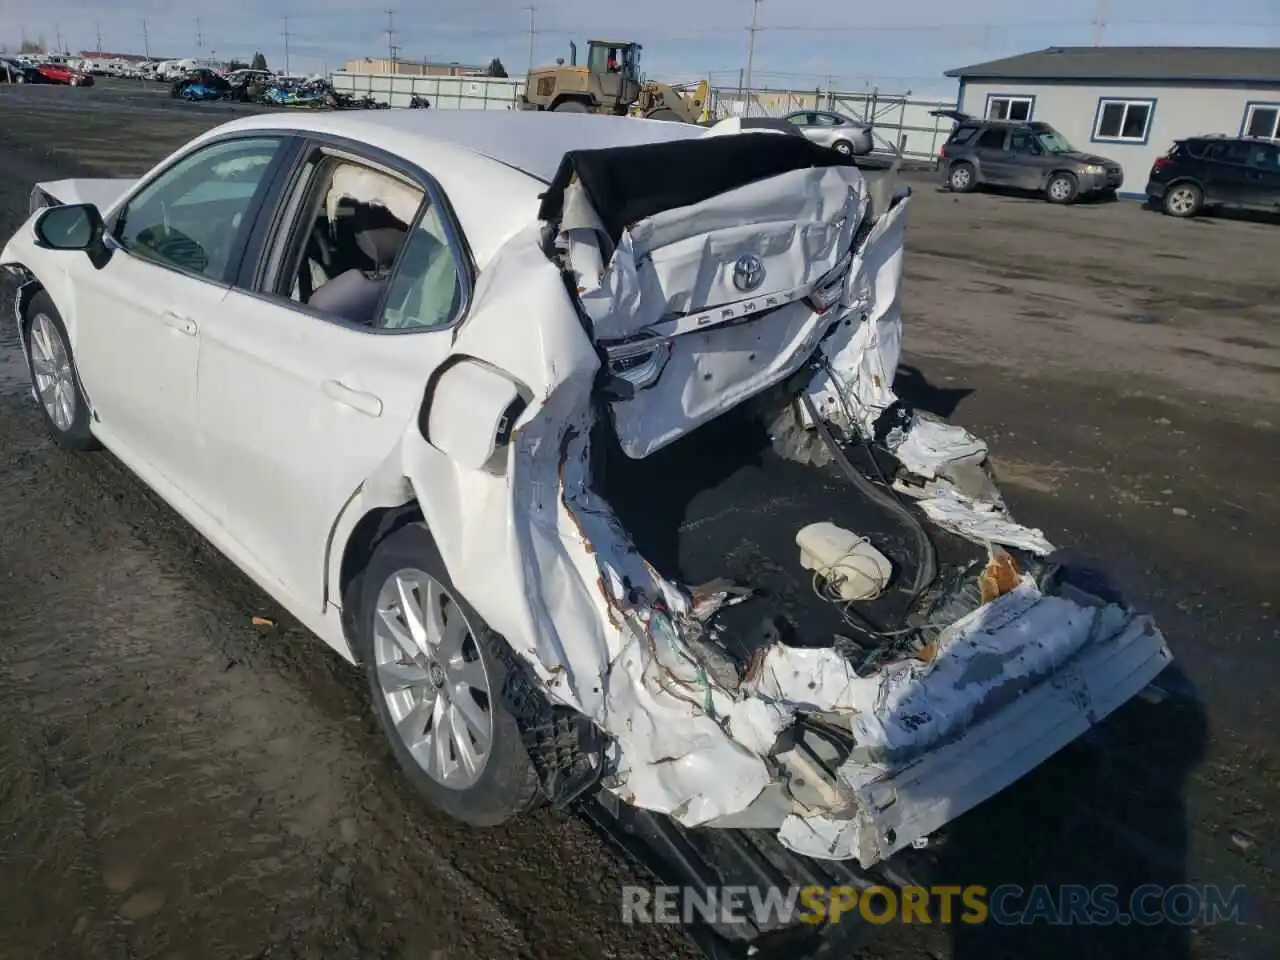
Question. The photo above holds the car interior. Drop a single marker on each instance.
(360, 219)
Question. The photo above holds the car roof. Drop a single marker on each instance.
(491, 164)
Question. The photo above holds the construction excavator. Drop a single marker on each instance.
(610, 83)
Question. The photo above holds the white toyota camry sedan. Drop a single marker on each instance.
(578, 434)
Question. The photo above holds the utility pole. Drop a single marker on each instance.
(57, 29)
(751, 53)
(199, 38)
(531, 10)
(146, 41)
(391, 32)
(1099, 22)
(98, 28)
(286, 46)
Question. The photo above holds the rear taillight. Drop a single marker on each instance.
(1162, 162)
(942, 154)
(827, 291)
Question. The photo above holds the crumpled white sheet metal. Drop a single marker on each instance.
(982, 522)
(547, 564)
(928, 444)
(909, 705)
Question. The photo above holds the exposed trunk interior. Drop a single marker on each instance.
(721, 503)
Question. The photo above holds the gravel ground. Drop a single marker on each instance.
(178, 783)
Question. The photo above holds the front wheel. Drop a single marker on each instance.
(436, 684)
(53, 376)
(1183, 200)
(570, 106)
(1061, 188)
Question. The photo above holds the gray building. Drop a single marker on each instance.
(1131, 103)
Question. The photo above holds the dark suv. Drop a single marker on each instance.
(1200, 172)
(1026, 155)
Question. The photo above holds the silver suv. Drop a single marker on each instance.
(1028, 156)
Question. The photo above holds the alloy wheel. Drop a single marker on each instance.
(432, 677)
(960, 178)
(51, 366)
(1060, 189)
(1182, 201)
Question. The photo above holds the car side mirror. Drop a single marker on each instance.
(74, 226)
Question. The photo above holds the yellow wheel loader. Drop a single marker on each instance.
(609, 83)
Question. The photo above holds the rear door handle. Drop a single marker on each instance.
(182, 324)
(366, 403)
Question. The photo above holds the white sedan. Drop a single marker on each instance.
(550, 422)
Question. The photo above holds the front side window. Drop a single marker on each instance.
(1000, 107)
(192, 216)
(1022, 141)
(1262, 120)
(1123, 121)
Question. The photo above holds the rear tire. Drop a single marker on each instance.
(53, 376)
(1061, 188)
(570, 106)
(1183, 200)
(962, 178)
(436, 684)
(843, 147)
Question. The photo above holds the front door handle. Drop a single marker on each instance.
(366, 403)
(180, 323)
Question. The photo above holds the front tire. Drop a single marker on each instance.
(570, 106)
(962, 178)
(1183, 200)
(53, 376)
(1061, 188)
(436, 684)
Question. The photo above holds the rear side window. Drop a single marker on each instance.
(962, 134)
(992, 138)
(1229, 151)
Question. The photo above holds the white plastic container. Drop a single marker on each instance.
(852, 568)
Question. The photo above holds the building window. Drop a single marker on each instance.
(1261, 120)
(1003, 106)
(1123, 121)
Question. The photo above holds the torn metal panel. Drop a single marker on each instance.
(982, 522)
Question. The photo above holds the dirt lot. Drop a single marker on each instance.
(178, 783)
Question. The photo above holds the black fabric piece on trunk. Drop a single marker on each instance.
(627, 184)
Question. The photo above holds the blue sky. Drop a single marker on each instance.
(802, 43)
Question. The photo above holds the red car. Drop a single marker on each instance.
(61, 73)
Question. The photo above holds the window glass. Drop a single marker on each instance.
(347, 239)
(1123, 120)
(992, 138)
(962, 134)
(1263, 122)
(827, 120)
(1265, 156)
(1229, 151)
(798, 119)
(1022, 141)
(1009, 108)
(191, 216)
(426, 291)
(1135, 121)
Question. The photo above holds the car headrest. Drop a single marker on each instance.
(380, 244)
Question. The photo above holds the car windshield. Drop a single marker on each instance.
(1053, 142)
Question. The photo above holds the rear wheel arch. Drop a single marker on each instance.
(373, 527)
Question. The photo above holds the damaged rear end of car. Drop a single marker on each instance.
(771, 599)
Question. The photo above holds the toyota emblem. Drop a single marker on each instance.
(748, 273)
